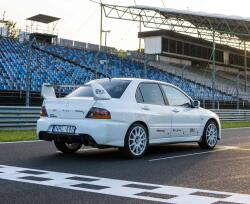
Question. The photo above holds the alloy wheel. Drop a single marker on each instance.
(137, 140)
(212, 134)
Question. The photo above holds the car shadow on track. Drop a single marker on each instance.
(113, 154)
(101, 161)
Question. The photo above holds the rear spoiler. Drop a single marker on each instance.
(48, 91)
(99, 92)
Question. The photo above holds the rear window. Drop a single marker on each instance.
(114, 87)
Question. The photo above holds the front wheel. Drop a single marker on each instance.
(67, 147)
(136, 141)
(210, 136)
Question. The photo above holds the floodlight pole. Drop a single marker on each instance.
(100, 45)
(213, 71)
(106, 35)
(140, 31)
(28, 74)
(237, 90)
(245, 65)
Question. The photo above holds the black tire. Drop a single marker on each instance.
(63, 147)
(127, 150)
(205, 143)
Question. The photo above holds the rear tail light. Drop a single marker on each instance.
(43, 112)
(98, 113)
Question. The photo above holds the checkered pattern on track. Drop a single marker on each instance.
(136, 190)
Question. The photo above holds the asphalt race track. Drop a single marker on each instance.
(34, 172)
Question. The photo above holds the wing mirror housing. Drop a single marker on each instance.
(196, 104)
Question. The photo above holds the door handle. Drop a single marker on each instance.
(176, 111)
(145, 108)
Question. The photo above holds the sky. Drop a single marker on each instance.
(80, 19)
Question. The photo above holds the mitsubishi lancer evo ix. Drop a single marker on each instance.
(129, 114)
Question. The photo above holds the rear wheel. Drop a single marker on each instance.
(67, 147)
(136, 141)
(210, 136)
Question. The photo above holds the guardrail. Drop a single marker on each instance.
(18, 117)
(233, 115)
(21, 117)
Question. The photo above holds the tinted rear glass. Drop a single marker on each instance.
(114, 87)
(138, 96)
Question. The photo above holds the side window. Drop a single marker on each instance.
(151, 94)
(176, 97)
(138, 96)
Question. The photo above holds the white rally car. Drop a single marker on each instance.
(130, 114)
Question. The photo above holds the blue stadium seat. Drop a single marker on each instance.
(65, 66)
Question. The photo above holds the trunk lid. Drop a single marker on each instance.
(69, 108)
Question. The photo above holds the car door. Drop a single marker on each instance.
(151, 102)
(186, 120)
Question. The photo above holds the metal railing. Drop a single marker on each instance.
(18, 117)
(21, 117)
(233, 115)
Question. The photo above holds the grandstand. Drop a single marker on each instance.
(44, 67)
(27, 63)
(68, 66)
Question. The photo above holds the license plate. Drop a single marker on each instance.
(64, 129)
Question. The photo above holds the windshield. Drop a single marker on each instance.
(114, 87)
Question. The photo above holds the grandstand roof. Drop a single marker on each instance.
(227, 28)
(218, 22)
(41, 18)
(192, 13)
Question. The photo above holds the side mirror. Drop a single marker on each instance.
(196, 104)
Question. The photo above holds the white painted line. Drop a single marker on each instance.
(187, 155)
(25, 141)
(122, 188)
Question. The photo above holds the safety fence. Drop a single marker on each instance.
(233, 115)
(20, 117)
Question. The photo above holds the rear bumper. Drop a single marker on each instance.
(102, 132)
(70, 138)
